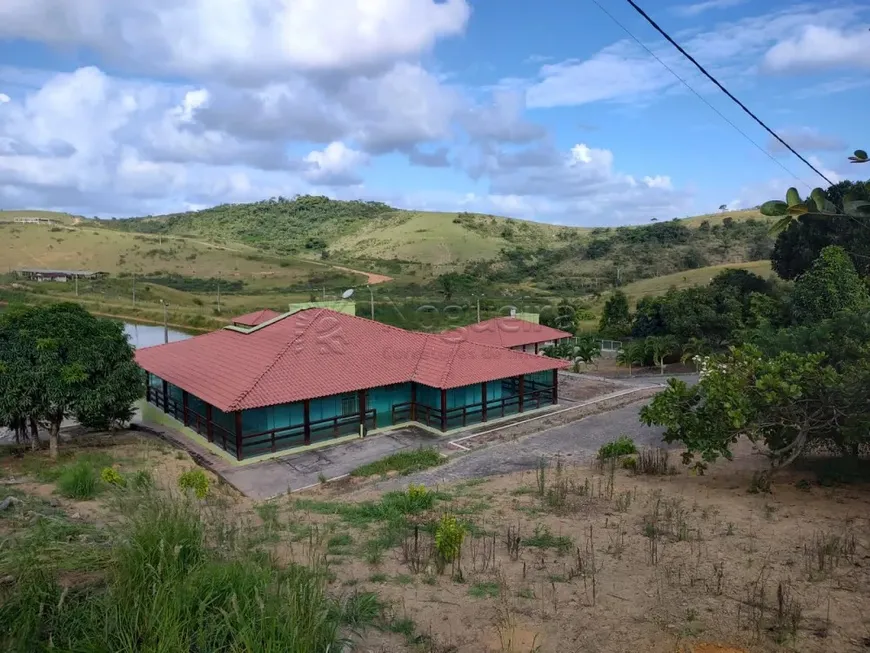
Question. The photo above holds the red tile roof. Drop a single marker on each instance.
(255, 318)
(318, 352)
(506, 332)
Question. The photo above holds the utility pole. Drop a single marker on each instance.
(372, 299)
(134, 291)
(165, 326)
(76, 277)
(219, 292)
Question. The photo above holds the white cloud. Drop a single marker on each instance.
(659, 181)
(241, 40)
(4, 98)
(335, 165)
(689, 11)
(804, 139)
(625, 72)
(819, 47)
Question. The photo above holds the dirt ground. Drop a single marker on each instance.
(602, 560)
(725, 571)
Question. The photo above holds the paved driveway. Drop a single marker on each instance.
(577, 442)
(270, 478)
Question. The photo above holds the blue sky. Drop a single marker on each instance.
(546, 110)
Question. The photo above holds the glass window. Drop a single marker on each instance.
(349, 404)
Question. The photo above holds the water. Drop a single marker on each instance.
(143, 335)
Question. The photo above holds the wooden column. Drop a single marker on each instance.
(443, 410)
(413, 401)
(184, 405)
(361, 400)
(306, 420)
(522, 390)
(239, 434)
(536, 347)
(208, 424)
(555, 386)
(165, 397)
(483, 401)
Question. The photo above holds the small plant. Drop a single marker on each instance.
(417, 493)
(321, 478)
(484, 590)
(449, 534)
(112, 476)
(541, 476)
(404, 462)
(142, 480)
(623, 501)
(80, 481)
(653, 462)
(196, 481)
(803, 485)
(622, 446)
(543, 538)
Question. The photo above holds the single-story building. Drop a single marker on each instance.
(315, 374)
(41, 274)
(510, 333)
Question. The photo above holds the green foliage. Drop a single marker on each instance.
(615, 319)
(787, 401)
(484, 590)
(831, 285)
(196, 481)
(622, 446)
(404, 462)
(543, 538)
(141, 480)
(79, 481)
(60, 361)
(449, 534)
(111, 476)
(171, 582)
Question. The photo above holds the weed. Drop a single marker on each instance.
(623, 501)
(449, 534)
(513, 542)
(622, 446)
(404, 462)
(142, 480)
(378, 577)
(343, 539)
(79, 481)
(321, 478)
(484, 590)
(653, 462)
(541, 476)
(361, 609)
(196, 481)
(526, 593)
(111, 476)
(543, 538)
(268, 512)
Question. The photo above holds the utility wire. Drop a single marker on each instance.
(725, 90)
(760, 148)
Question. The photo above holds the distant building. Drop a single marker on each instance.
(510, 333)
(40, 274)
(33, 220)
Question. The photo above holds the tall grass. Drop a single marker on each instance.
(172, 582)
(404, 462)
(79, 481)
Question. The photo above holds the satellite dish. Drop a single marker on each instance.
(347, 294)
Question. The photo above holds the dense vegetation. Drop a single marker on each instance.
(786, 365)
(278, 224)
(59, 361)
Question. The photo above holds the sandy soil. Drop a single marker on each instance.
(728, 571)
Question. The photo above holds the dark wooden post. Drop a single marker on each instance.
(413, 401)
(555, 386)
(483, 401)
(208, 423)
(522, 389)
(165, 397)
(306, 420)
(362, 406)
(239, 434)
(184, 405)
(443, 409)
(536, 347)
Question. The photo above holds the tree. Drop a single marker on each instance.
(830, 286)
(60, 361)
(615, 319)
(787, 402)
(566, 316)
(659, 348)
(586, 350)
(632, 353)
(801, 243)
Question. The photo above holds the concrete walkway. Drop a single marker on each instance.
(270, 478)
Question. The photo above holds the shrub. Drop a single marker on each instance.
(142, 480)
(112, 476)
(449, 534)
(622, 446)
(196, 481)
(80, 481)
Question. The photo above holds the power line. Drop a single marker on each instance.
(700, 97)
(725, 90)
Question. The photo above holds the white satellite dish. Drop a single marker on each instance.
(347, 294)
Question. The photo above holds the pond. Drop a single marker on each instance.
(144, 335)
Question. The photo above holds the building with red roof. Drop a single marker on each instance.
(255, 318)
(510, 333)
(315, 374)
